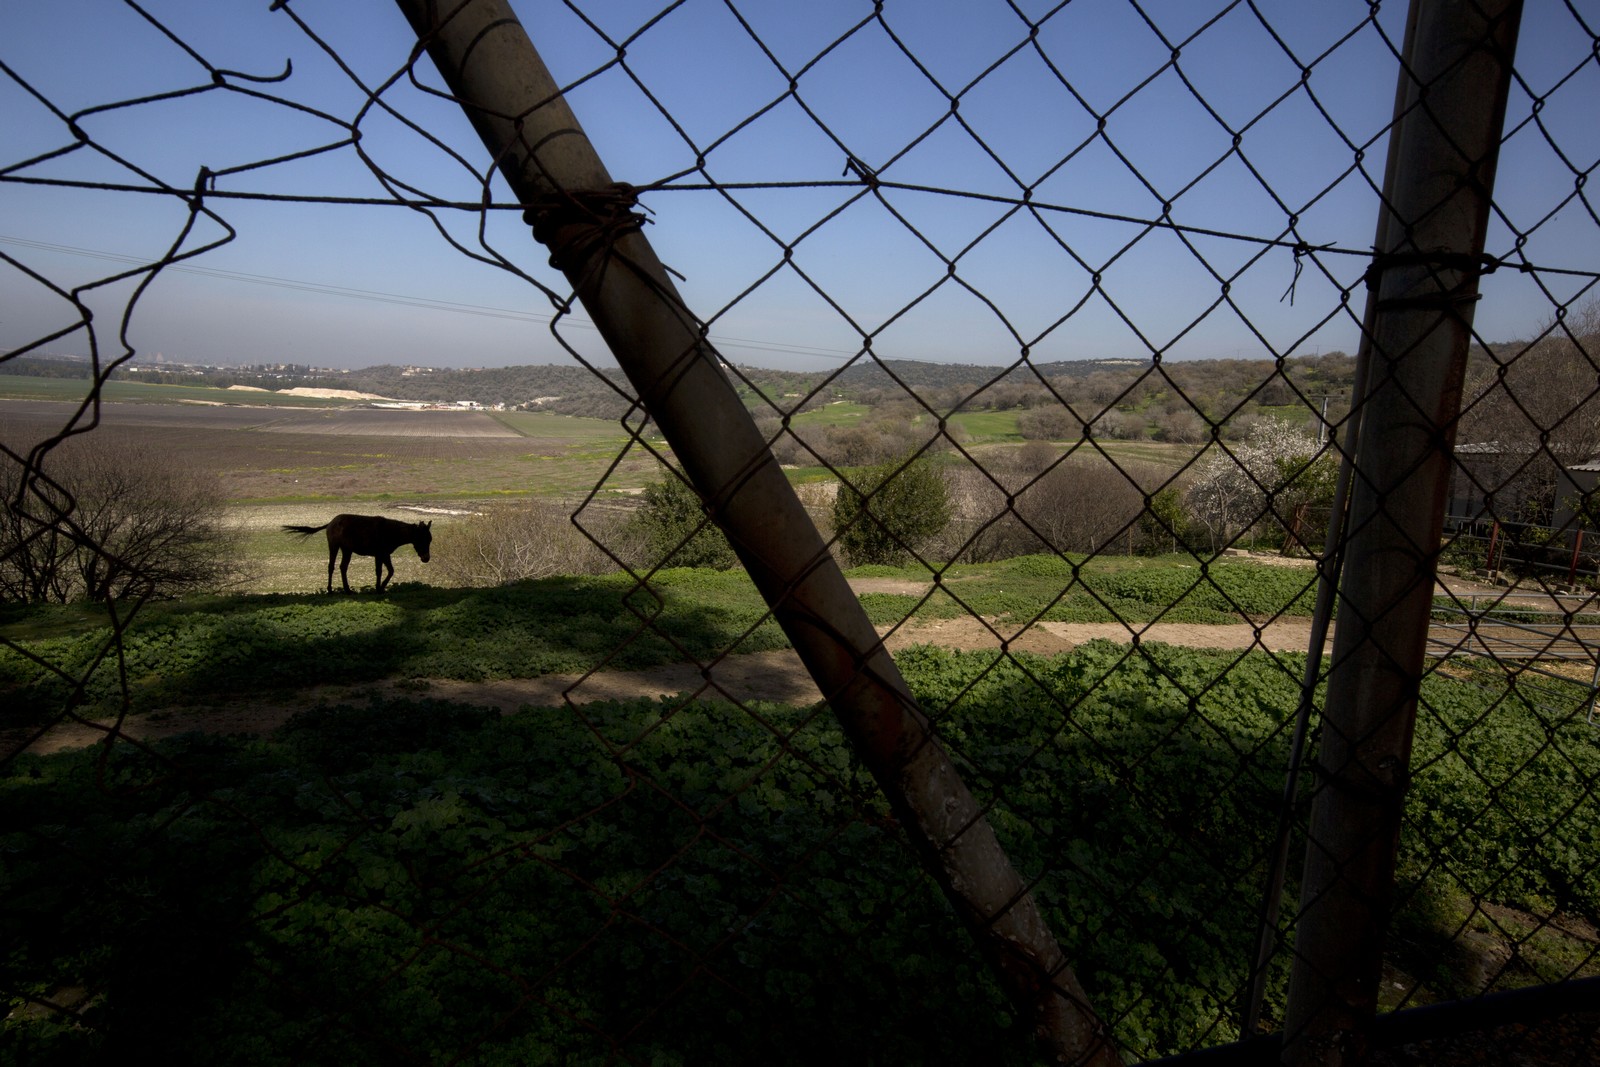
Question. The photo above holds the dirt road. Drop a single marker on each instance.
(771, 676)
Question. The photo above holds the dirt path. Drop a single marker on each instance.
(770, 676)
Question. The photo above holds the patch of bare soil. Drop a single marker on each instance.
(333, 394)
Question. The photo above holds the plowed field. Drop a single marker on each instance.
(353, 454)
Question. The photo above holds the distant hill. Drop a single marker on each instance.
(1219, 389)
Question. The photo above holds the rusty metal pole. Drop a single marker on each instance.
(1451, 101)
(495, 74)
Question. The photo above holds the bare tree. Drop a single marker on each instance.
(1533, 413)
(1054, 423)
(1181, 424)
(1084, 504)
(1118, 424)
(1081, 504)
(100, 517)
(981, 530)
(34, 552)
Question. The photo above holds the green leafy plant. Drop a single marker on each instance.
(675, 530)
(888, 512)
(525, 888)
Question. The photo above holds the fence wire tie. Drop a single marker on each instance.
(852, 165)
(1471, 267)
(1389, 796)
(572, 223)
(1301, 249)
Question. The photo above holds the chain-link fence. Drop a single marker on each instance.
(1268, 731)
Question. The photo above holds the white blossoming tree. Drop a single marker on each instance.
(1265, 483)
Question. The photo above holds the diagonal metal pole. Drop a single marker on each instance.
(495, 74)
(1451, 101)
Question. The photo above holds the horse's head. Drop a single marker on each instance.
(423, 539)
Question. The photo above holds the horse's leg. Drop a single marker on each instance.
(344, 571)
(333, 554)
(379, 563)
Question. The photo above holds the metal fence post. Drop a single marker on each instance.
(1450, 108)
(586, 220)
(1321, 617)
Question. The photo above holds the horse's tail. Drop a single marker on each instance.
(305, 531)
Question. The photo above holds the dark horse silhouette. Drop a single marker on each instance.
(369, 535)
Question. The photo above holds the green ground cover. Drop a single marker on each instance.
(695, 884)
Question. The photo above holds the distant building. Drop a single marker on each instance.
(1578, 486)
(1491, 482)
(1477, 470)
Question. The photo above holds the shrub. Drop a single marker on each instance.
(1164, 525)
(674, 529)
(1049, 424)
(891, 511)
(512, 543)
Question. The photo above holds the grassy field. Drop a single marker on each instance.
(984, 426)
(837, 413)
(249, 643)
(302, 460)
(333, 850)
(979, 426)
(351, 455)
(281, 562)
(305, 462)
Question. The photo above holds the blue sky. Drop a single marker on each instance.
(1089, 117)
